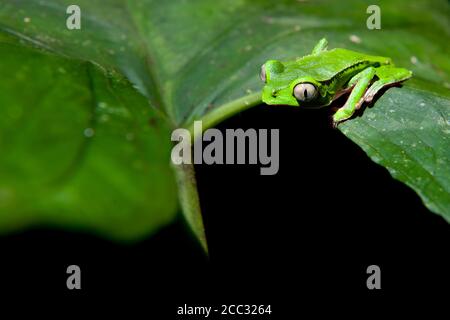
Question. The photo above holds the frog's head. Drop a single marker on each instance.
(285, 84)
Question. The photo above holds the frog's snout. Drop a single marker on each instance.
(269, 95)
(274, 96)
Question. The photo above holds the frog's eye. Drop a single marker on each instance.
(305, 91)
(262, 75)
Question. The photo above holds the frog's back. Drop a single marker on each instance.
(327, 64)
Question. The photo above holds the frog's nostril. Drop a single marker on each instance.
(274, 93)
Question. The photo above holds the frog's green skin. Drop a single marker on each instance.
(332, 73)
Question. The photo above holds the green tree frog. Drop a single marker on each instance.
(316, 80)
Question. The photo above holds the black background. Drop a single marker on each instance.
(296, 240)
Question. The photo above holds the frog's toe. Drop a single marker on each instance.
(360, 103)
(368, 97)
(332, 122)
(335, 124)
(335, 121)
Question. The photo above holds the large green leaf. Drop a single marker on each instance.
(199, 60)
(79, 149)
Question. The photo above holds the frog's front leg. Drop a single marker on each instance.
(355, 99)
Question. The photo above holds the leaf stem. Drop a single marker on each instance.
(226, 111)
(185, 173)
